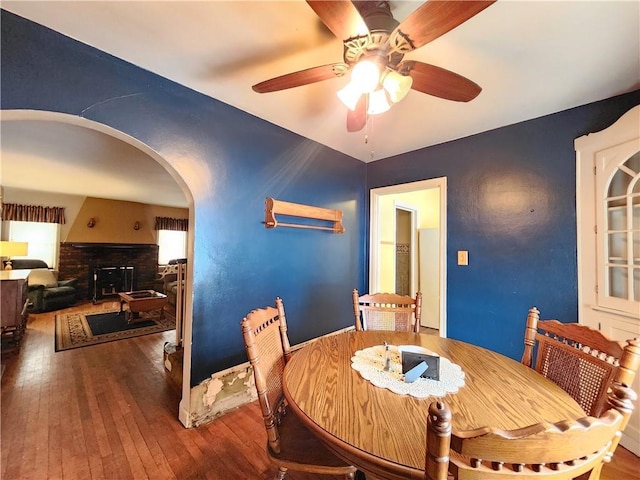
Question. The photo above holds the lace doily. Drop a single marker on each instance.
(369, 362)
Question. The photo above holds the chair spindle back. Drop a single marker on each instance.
(581, 360)
(387, 311)
(265, 337)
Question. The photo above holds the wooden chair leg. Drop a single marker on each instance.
(280, 474)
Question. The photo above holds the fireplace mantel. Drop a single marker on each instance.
(112, 245)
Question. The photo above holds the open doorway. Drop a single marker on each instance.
(406, 282)
(408, 226)
(86, 139)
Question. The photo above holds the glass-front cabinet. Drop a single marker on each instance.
(618, 190)
(608, 217)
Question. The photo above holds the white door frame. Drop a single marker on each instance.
(374, 235)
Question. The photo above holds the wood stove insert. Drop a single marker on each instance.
(108, 281)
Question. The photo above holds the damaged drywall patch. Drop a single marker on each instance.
(222, 392)
(213, 389)
(230, 389)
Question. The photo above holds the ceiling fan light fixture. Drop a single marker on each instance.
(378, 102)
(374, 45)
(349, 95)
(396, 85)
(366, 76)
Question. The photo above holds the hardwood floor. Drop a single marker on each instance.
(107, 412)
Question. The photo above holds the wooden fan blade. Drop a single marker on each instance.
(357, 119)
(439, 82)
(303, 77)
(342, 18)
(431, 20)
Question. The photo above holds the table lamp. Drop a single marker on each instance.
(12, 249)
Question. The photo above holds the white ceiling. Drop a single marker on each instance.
(57, 157)
(531, 58)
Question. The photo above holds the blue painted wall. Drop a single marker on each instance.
(511, 200)
(511, 204)
(231, 162)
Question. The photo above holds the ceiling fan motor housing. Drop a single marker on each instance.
(380, 22)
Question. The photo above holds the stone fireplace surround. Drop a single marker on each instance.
(78, 260)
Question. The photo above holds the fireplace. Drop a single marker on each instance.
(79, 260)
(107, 281)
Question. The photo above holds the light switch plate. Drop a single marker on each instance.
(463, 257)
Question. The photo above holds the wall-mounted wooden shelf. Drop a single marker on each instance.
(275, 207)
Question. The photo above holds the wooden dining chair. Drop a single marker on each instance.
(579, 359)
(387, 311)
(290, 445)
(572, 449)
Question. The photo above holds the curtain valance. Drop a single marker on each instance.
(32, 213)
(168, 223)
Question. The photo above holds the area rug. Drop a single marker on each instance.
(81, 329)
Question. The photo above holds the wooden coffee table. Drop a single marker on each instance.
(142, 301)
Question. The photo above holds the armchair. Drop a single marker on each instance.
(44, 291)
(168, 280)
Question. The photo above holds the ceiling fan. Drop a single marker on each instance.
(374, 47)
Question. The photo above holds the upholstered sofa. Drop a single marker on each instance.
(44, 291)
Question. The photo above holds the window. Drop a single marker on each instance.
(41, 237)
(172, 244)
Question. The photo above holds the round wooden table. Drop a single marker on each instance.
(383, 433)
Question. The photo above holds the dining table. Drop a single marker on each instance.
(382, 430)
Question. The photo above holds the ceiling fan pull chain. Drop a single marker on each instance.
(370, 130)
(366, 121)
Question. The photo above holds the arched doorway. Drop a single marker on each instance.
(72, 133)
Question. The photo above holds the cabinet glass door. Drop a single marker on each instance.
(622, 233)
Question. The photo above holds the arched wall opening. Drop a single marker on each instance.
(13, 117)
